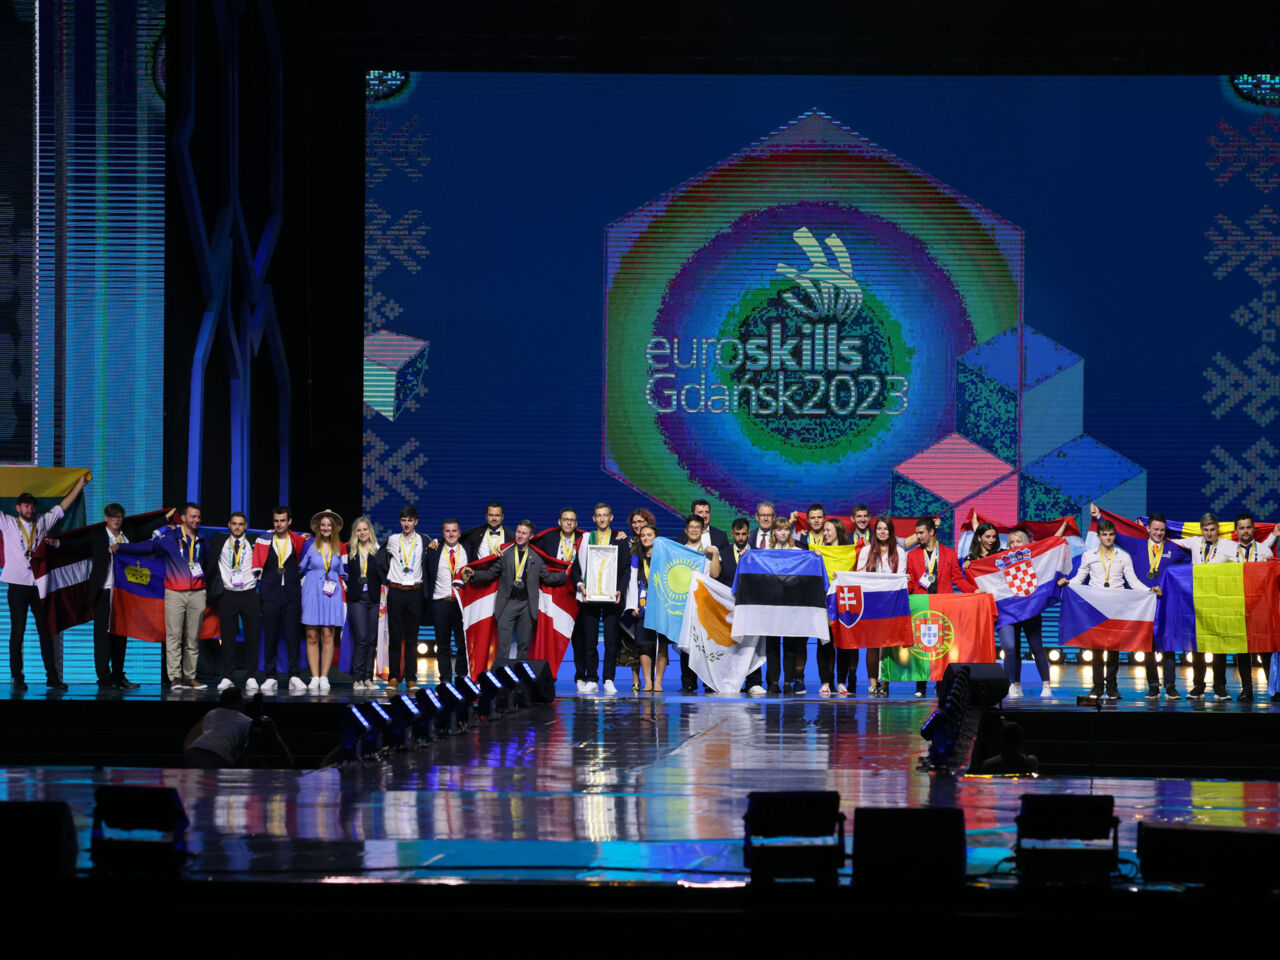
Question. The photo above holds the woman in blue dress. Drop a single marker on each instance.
(323, 567)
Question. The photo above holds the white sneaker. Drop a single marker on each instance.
(582, 686)
(755, 691)
(1015, 691)
(1046, 689)
(251, 686)
(297, 686)
(313, 685)
(324, 684)
(609, 688)
(358, 686)
(269, 687)
(225, 684)
(593, 687)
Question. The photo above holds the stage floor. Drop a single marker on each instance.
(613, 789)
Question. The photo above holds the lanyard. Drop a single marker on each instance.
(237, 547)
(566, 547)
(191, 551)
(645, 563)
(521, 560)
(364, 564)
(1206, 554)
(931, 563)
(29, 537)
(407, 560)
(1154, 552)
(737, 553)
(327, 555)
(1106, 566)
(601, 538)
(282, 550)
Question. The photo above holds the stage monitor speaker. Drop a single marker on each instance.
(988, 684)
(1196, 853)
(40, 839)
(905, 848)
(543, 688)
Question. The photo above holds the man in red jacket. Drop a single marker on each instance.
(933, 567)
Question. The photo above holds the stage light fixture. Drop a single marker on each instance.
(933, 725)
(429, 708)
(128, 809)
(793, 834)
(492, 695)
(1086, 656)
(378, 719)
(453, 716)
(1067, 839)
(1001, 655)
(1055, 655)
(358, 734)
(406, 719)
(422, 649)
(1138, 656)
(469, 688)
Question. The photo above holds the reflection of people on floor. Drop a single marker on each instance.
(1013, 756)
(228, 737)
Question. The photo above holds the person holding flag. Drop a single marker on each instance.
(364, 597)
(562, 542)
(1250, 550)
(740, 530)
(22, 534)
(443, 568)
(324, 575)
(1108, 567)
(185, 551)
(694, 528)
(785, 656)
(883, 553)
(713, 537)
(832, 536)
(1209, 547)
(519, 573)
(933, 566)
(1011, 634)
(652, 648)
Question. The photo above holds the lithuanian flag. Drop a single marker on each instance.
(1220, 608)
(947, 628)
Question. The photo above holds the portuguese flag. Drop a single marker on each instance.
(947, 628)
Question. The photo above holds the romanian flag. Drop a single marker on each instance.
(869, 610)
(137, 601)
(1103, 619)
(1220, 608)
(1177, 529)
(946, 628)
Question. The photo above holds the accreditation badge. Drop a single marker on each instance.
(330, 587)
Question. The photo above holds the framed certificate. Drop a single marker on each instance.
(600, 572)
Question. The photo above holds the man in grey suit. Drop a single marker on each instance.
(515, 606)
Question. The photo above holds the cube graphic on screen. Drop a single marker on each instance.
(950, 478)
(393, 368)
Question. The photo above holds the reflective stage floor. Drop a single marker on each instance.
(617, 789)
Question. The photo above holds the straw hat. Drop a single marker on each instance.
(315, 522)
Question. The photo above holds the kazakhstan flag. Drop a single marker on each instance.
(671, 571)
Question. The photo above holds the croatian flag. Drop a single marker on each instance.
(869, 610)
(1023, 581)
(1104, 619)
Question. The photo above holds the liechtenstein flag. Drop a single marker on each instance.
(869, 610)
(1023, 581)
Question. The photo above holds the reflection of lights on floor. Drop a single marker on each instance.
(1055, 672)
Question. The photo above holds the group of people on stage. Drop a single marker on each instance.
(292, 586)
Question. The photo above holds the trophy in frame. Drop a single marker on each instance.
(600, 572)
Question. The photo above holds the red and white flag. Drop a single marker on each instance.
(557, 612)
(481, 630)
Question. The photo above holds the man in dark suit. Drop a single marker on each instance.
(765, 515)
(483, 541)
(441, 568)
(741, 530)
(519, 574)
(108, 647)
(712, 536)
(233, 589)
(817, 516)
(591, 615)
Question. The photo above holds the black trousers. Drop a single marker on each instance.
(21, 599)
(238, 609)
(591, 616)
(446, 617)
(363, 617)
(108, 647)
(1107, 678)
(847, 666)
(785, 656)
(404, 618)
(278, 615)
(1244, 667)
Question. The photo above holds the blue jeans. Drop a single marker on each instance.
(363, 618)
(1010, 643)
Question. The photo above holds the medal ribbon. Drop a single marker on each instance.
(1154, 552)
(413, 549)
(520, 562)
(1106, 566)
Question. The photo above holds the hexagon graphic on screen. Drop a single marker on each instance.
(785, 325)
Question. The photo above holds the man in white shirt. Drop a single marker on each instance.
(443, 566)
(592, 615)
(1250, 550)
(1209, 548)
(765, 514)
(402, 572)
(22, 534)
(235, 589)
(494, 534)
(1109, 567)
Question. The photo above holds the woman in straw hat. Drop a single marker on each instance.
(324, 570)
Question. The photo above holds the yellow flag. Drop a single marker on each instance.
(836, 558)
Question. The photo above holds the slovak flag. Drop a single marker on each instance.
(869, 610)
(1023, 581)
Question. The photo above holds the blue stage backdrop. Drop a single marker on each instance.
(926, 294)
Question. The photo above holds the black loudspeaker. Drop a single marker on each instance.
(1221, 856)
(901, 848)
(988, 684)
(40, 839)
(543, 689)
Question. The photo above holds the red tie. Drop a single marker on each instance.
(452, 562)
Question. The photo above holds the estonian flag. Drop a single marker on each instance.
(780, 593)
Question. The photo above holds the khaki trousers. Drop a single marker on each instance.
(183, 611)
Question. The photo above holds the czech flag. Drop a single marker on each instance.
(1220, 608)
(1022, 581)
(1103, 619)
(869, 610)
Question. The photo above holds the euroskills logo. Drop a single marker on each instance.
(790, 319)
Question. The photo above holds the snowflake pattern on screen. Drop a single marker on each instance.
(1251, 478)
(1233, 152)
(401, 149)
(384, 241)
(1261, 315)
(1255, 384)
(388, 472)
(379, 309)
(1233, 245)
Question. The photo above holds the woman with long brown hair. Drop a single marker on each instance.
(885, 555)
